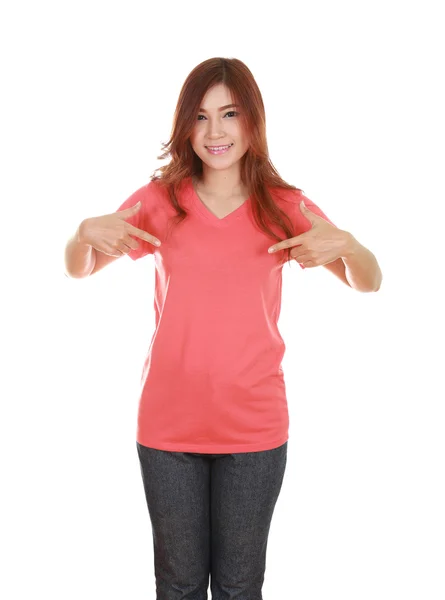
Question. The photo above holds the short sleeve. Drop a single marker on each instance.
(141, 219)
(301, 223)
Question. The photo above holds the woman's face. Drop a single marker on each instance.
(215, 127)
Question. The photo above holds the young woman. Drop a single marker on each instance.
(213, 419)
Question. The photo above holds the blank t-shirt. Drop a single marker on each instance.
(212, 380)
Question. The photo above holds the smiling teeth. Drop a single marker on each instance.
(218, 147)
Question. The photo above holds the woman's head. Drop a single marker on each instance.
(212, 84)
(219, 124)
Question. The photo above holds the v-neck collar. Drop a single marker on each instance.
(202, 209)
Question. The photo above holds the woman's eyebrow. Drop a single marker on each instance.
(221, 108)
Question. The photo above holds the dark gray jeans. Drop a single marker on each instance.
(210, 516)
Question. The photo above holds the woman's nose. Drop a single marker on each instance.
(215, 128)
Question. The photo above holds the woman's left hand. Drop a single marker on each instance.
(322, 244)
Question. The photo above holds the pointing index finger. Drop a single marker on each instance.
(140, 233)
(295, 241)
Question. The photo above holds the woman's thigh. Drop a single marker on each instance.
(211, 515)
(243, 493)
(177, 494)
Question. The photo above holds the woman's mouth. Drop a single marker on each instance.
(219, 149)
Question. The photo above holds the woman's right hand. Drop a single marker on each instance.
(110, 234)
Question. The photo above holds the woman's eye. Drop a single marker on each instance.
(231, 112)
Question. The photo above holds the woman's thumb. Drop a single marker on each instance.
(136, 207)
(131, 210)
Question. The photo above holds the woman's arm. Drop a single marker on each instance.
(361, 267)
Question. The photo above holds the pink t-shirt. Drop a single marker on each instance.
(212, 380)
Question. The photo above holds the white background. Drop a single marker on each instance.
(355, 118)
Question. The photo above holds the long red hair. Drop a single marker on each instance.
(257, 170)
